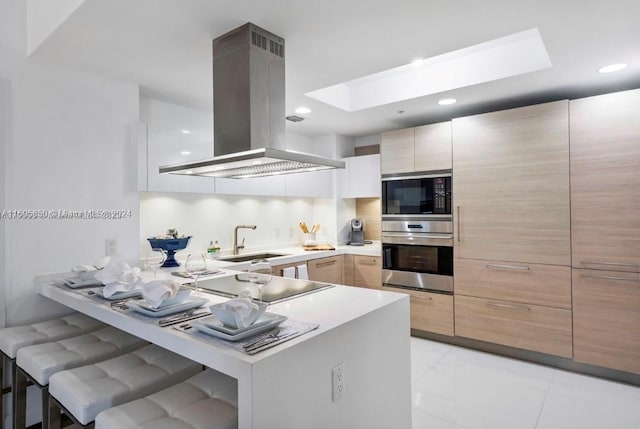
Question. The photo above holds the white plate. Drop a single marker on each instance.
(167, 311)
(121, 295)
(76, 283)
(213, 323)
(207, 326)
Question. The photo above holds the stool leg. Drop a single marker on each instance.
(45, 407)
(54, 413)
(19, 399)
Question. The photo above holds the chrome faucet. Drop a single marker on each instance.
(236, 246)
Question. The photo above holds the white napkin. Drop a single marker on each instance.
(303, 274)
(243, 310)
(118, 276)
(87, 272)
(158, 290)
(289, 272)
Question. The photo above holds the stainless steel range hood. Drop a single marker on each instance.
(249, 111)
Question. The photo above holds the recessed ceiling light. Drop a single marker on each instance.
(417, 63)
(185, 131)
(446, 101)
(302, 110)
(185, 152)
(612, 68)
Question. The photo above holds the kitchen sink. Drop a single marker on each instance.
(244, 258)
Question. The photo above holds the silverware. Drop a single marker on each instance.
(183, 317)
(267, 342)
(272, 334)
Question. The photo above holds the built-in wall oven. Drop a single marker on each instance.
(418, 253)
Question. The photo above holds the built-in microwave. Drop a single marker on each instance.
(416, 194)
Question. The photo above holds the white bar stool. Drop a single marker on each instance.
(37, 363)
(208, 400)
(16, 337)
(83, 392)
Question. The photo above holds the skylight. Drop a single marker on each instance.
(507, 56)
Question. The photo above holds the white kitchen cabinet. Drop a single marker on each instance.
(361, 177)
(174, 134)
(313, 184)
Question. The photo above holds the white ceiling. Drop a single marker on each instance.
(165, 47)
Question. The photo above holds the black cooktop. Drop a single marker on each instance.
(278, 289)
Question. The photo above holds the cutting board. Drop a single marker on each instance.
(319, 247)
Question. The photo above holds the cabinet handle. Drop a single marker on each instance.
(324, 264)
(617, 264)
(509, 267)
(510, 306)
(367, 262)
(458, 222)
(624, 279)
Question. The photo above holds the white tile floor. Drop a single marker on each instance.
(458, 388)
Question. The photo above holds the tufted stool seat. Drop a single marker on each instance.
(14, 338)
(40, 361)
(85, 391)
(207, 400)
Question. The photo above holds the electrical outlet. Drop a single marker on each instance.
(337, 377)
(111, 245)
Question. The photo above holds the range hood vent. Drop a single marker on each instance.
(249, 111)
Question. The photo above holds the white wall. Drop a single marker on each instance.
(5, 106)
(214, 217)
(370, 140)
(69, 149)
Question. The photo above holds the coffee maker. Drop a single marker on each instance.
(356, 237)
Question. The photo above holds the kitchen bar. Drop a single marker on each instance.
(290, 385)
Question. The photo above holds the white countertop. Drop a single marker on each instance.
(297, 254)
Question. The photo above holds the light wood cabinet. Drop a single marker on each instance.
(605, 182)
(397, 151)
(431, 312)
(347, 271)
(367, 271)
(326, 270)
(511, 185)
(425, 148)
(606, 319)
(433, 147)
(548, 285)
(525, 326)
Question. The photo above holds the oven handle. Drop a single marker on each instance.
(418, 239)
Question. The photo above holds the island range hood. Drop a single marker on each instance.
(249, 111)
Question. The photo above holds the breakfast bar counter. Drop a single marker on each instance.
(291, 384)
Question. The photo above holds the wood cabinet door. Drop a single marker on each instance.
(525, 326)
(348, 270)
(511, 185)
(606, 319)
(397, 151)
(326, 270)
(433, 147)
(605, 182)
(367, 271)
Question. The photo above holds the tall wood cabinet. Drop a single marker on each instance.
(512, 228)
(511, 185)
(605, 228)
(424, 148)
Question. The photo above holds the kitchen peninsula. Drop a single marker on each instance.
(290, 385)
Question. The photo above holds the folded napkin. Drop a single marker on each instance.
(118, 276)
(303, 273)
(86, 271)
(238, 313)
(155, 292)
